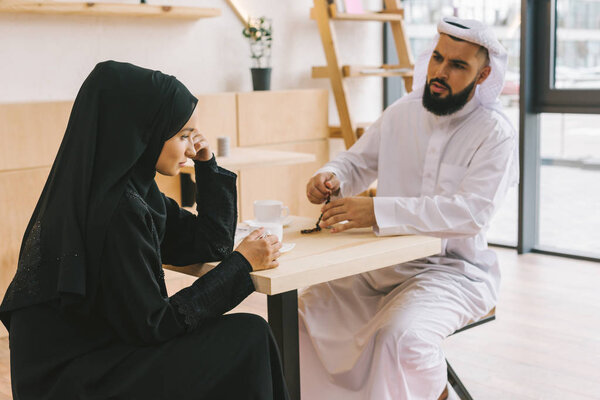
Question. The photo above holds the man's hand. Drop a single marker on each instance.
(358, 211)
(321, 186)
(202, 148)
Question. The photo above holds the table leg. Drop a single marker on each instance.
(283, 318)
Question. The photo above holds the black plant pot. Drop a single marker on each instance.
(261, 78)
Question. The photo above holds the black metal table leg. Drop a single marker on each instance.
(283, 319)
(457, 385)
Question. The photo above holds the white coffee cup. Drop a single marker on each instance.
(270, 211)
(271, 228)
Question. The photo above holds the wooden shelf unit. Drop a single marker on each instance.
(336, 131)
(361, 71)
(324, 12)
(106, 9)
(381, 16)
(372, 16)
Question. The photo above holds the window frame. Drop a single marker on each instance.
(537, 96)
(547, 98)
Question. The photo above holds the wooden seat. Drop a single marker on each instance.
(453, 378)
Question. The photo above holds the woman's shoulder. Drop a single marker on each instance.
(131, 207)
(132, 198)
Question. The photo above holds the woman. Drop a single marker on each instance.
(87, 311)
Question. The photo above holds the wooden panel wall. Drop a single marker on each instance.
(286, 183)
(294, 120)
(282, 116)
(218, 117)
(30, 133)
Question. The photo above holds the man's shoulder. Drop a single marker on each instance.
(403, 108)
(406, 103)
(494, 121)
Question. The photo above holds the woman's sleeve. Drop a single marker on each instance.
(191, 239)
(133, 298)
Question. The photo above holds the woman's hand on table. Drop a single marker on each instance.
(261, 252)
(202, 147)
(358, 211)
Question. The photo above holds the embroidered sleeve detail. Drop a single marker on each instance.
(191, 317)
(27, 276)
(215, 293)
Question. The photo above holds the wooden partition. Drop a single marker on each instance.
(282, 117)
(30, 135)
(218, 117)
(295, 120)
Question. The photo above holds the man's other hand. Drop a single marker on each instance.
(358, 211)
(321, 186)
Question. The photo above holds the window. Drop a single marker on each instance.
(560, 140)
(569, 207)
(577, 63)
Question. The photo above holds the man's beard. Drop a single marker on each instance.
(451, 103)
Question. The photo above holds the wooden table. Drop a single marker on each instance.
(252, 157)
(316, 258)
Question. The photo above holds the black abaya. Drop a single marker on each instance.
(87, 311)
(140, 344)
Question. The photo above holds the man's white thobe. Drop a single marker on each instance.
(378, 335)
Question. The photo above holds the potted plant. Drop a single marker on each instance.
(258, 31)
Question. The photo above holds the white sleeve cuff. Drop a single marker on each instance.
(385, 216)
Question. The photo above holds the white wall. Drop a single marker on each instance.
(46, 57)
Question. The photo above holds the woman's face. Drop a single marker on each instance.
(179, 148)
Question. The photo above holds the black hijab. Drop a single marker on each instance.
(120, 120)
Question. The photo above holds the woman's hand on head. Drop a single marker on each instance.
(202, 148)
(261, 253)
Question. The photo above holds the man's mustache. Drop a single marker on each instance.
(441, 82)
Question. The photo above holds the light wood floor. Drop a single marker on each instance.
(544, 344)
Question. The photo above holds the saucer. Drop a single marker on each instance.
(285, 247)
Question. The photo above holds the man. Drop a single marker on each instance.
(443, 158)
